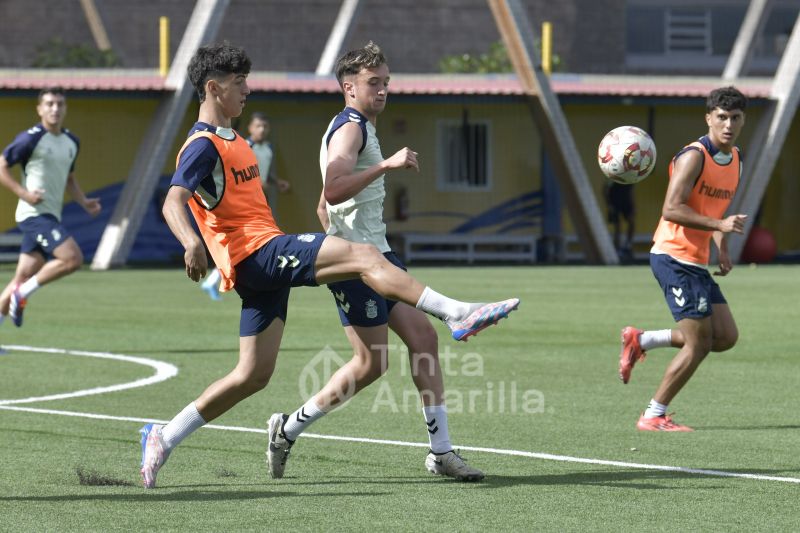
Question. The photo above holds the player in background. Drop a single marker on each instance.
(271, 184)
(351, 207)
(704, 177)
(46, 152)
(259, 130)
(621, 206)
(217, 175)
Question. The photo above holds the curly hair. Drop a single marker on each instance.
(727, 98)
(215, 61)
(353, 61)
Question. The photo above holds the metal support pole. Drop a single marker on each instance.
(768, 140)
(163, 46)
(547, 49)
(518, 36)
(344, 22)
(743, 47)
(120, 233)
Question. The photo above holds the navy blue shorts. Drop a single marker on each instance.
(359, 305)
(690, 290)
(43, 234)
(264, 279)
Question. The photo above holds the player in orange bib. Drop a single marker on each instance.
(704, 177)
(218, 177)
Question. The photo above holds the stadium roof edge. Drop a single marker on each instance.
(423, 84)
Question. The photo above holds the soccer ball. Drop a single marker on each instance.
(626, 155)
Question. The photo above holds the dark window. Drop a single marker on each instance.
(463, 155)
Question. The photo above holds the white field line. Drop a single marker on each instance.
(496, 451)
(164, 371)
(4, 405)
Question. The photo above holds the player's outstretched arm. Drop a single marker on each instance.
(178, 221)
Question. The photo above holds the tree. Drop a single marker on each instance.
(495, 60)
(57, 54)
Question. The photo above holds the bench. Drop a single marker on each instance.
(572, 251)
(467, 247)
(9, 247)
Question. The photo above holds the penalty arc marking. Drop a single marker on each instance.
(165, 371)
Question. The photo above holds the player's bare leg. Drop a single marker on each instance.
(25, 283)
(67, 258)
(697, 335)
(417, 333)
(33, 272)
(369, 362)
(28, 264)
(257, 356)
(339, 259)
(725, 334)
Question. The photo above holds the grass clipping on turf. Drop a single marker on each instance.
(95, 479)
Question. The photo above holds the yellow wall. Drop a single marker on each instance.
(110, 129)
(673, 127)
(297, 127)
(515, 160)
(780, 213)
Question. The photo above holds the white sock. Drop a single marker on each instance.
(661, 338)
(29, 287)
(443, 307)
(183, 425)
(438, 434)
(301, 419)
(213, 278)
(655, 409)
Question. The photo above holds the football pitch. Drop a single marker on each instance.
(534, 402)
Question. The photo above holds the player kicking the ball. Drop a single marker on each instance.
(217, 175)
(703, 179)
(351, 207)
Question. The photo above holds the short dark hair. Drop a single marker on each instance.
(727, 98)
(353, 61)
(55, 90)
(216, 61)
(258, 115)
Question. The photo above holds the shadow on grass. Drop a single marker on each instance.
(179, 494)
(370, 480)
(635, 479)
(133, 441)
(747, 428)
(222, 350)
